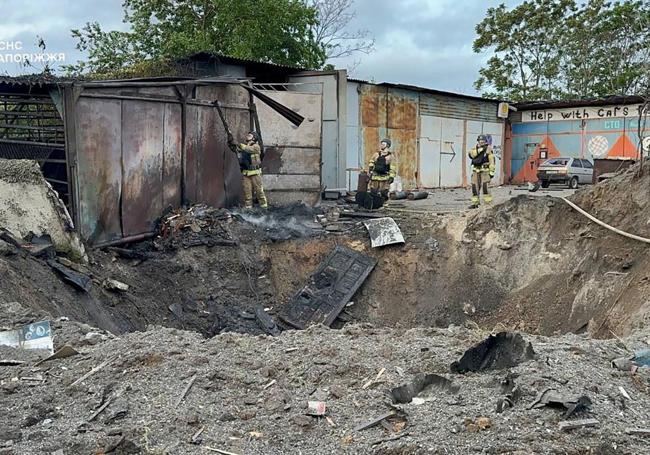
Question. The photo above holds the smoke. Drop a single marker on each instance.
(283, 223)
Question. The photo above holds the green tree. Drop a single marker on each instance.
(607, 51)
(557, 49)
(525, 56)
(277, 31)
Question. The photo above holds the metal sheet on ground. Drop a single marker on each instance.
(383, 231)
(330, 288)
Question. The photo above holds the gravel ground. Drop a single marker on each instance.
(20, 171)
(250, 395)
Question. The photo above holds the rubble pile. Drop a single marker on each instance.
(322, 391)
(29, 206)
(194, 226)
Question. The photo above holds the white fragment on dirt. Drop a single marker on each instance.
(114, 285)
(383, 231)
(624, 393)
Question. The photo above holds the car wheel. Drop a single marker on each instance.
(573, 183)
(545, 183)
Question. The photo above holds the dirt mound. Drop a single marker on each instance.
(158, 391)
(20, 171)
(29, 205)
(592, 279)
(622, 201)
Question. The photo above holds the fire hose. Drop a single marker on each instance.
(605, 225)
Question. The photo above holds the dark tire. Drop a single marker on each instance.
(573, 183)
(545, 183)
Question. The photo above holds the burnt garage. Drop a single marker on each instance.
(119, 153)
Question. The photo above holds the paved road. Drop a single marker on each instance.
(458, 199)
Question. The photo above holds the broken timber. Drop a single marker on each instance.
(568, 425)
(330, 288)
(94, 370)
(375, 421)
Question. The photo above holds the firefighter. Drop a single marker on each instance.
(382, 169)
(250, 163)
(482, 170)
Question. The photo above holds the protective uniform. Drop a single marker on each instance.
(250, 163)
(382, 169)
(483, 169)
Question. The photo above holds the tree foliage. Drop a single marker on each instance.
(559, 49)
(277, 31)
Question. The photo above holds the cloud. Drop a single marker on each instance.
(418, 42)
(51, 20)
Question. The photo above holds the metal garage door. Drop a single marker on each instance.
(441, 152)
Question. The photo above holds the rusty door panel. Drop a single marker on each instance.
(192, 152)
(373, 106)
(391, 113)
(402, 112)
(371, 138)
(404, 145)
(238, 121)
(99, 169)
(211, 161)
(218, 178)
(172, 155)
(142, 162)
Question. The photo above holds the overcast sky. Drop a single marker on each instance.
(418, 42)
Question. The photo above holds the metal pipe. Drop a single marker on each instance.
(43, 144)
(161, 100)
(416, 195)
(122, 241)
(397, 195)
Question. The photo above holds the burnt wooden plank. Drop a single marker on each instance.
(330, 288)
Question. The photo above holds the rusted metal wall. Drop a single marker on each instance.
(292, 161)
(392, 113)
(136, 151)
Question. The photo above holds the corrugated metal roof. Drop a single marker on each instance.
(424, 90)
(458, 108)
(584, 102)
(227, 59)
(33, 80)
